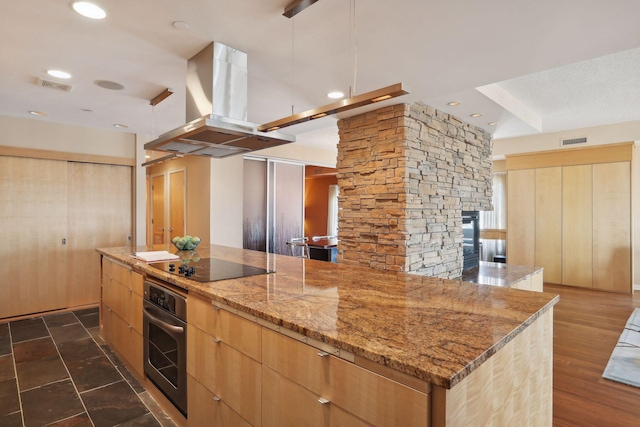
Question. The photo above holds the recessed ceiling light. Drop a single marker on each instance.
(180, 25)
(58, 73)
(492, 123)
(121, 126)
(38, 113)
(475, 115)
(89, 10)
(106, 84)
(335, 95)
(453, 103)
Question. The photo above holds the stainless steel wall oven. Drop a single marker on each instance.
(165, 341)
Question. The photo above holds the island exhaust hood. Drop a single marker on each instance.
(216, 109)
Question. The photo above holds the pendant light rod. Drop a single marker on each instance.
(336, 107)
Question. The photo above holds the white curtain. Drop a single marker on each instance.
(496, 219)
(332, 217)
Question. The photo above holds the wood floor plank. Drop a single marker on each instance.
(587, 325)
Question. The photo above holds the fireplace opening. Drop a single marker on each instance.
(470, 239)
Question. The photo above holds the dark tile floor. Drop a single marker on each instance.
(56, 370)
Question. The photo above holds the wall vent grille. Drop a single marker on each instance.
(54, 85)
(573, 141)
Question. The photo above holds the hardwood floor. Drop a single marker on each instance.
(587, 325)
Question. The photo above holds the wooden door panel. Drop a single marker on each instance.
(612, 227)
(99, 215)
(33, 222)
(157, 210)
(548, 223)
(520, 217)
(176, 204)
(577, 226)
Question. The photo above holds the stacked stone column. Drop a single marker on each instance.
(406, 173)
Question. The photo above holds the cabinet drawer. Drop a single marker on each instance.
(382, 402)
(233, 330)
(123, 301)
(206, 409)
(286, 403)
(295, 360)
(226, 372)
(120, 274)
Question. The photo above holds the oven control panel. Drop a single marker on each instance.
(166, 299)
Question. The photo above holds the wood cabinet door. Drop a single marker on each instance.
(577, 226)
(99, 215)
(548, 223)
(612, 227)
(521, 217)
(231, 375)
(33, 224)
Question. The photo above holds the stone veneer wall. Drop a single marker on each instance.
(406, 173)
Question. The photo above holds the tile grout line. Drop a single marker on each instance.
(15, 371)
(73, 383)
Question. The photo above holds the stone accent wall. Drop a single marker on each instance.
(406, 173)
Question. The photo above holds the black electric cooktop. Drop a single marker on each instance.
(209, 269)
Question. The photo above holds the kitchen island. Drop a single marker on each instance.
(366, 346)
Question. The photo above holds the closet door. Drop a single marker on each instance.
(520, 217)
(577, 226)
(548, 223)
(33, 224)
(612, 227)
(100, 212)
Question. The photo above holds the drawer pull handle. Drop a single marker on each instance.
(216, 398)
(323, 354)
(216, 340)
(323, 401)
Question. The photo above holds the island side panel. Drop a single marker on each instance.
(513, 387)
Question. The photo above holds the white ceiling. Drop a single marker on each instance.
(548, 65)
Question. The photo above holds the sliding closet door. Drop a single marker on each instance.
(287, 209)
(254, 223)
(100, 215)
(33, 224)
(273, 204)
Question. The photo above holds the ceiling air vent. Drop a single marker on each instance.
(54, 85)
(573, 141)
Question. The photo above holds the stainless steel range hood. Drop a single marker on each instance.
(217, 109)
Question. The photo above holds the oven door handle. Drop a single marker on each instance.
(162, 324)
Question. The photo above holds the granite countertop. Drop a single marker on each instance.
(498, 274)
(437, 330)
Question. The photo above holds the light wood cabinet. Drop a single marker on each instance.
(235, 331)
(582, 227)
(230, 374)
(207, 409)
(121, 311)
(287, 403)
(521, 217)
(577, 226)
(349, 390)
